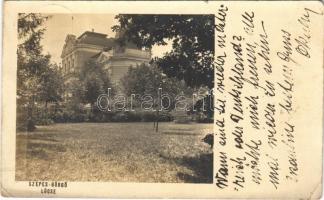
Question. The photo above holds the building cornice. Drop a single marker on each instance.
(83, 47)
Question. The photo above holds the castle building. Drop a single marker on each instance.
(106, 51)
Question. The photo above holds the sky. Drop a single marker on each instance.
(59, 25)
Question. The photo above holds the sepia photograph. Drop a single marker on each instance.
(162, 99)
(115, 98)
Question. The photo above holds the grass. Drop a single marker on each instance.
(118, 152)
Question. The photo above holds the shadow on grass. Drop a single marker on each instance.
(180, 133)
(37, 153)
(201, 165)
(47, 138)
(41, 151)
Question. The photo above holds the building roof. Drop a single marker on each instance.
(96, 55)
(94, 38)
(94, 34)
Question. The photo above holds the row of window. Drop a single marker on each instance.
(68, 64)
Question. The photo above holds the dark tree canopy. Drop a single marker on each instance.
(147, 79)
(94, 80)
(30, 33)
(51, 84)
(38, 80)
(192, 55)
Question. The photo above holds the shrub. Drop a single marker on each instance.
(126, 117)
(148, 116)
(151, 116)
(22, 120)
(69, 116)
(133, 116)
(166, 117)
(83, 115)
(205, 120)
(44, 121)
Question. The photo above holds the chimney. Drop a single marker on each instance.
(92, 30)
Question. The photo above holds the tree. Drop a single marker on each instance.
(38, 81)
(51, 82)
(31, 64)
(192, 55)
(82, 88)
(146, 80)
(94, 80)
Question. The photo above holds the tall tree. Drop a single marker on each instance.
(146, 80)
(192, 55)
(51, 82)
(95, 81)
(29, 66)
(84, 86)
(36, 77)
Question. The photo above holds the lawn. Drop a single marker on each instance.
(119, 152)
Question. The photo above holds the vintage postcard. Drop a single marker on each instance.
(140, 99)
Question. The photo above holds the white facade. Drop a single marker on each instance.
(118, 62)
(91, 45)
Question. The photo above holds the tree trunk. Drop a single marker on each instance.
(46, 115)
(157, 121)
(30, 118)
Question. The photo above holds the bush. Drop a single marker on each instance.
(98, 116)
(129, 116)
(133, 116)
(44, 121)
(126, 117)
(69, 116)
(119, 117)
(22, 119)
(205, 120)
(26, 122)
(166, 117)
(151, 117)
(86, 115)
(148, 116)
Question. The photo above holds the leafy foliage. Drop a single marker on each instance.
(147, 79)
(84, 87)
(192, 55)
(30, 33)
(51, 83)
(38, 81)
(93, 80)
